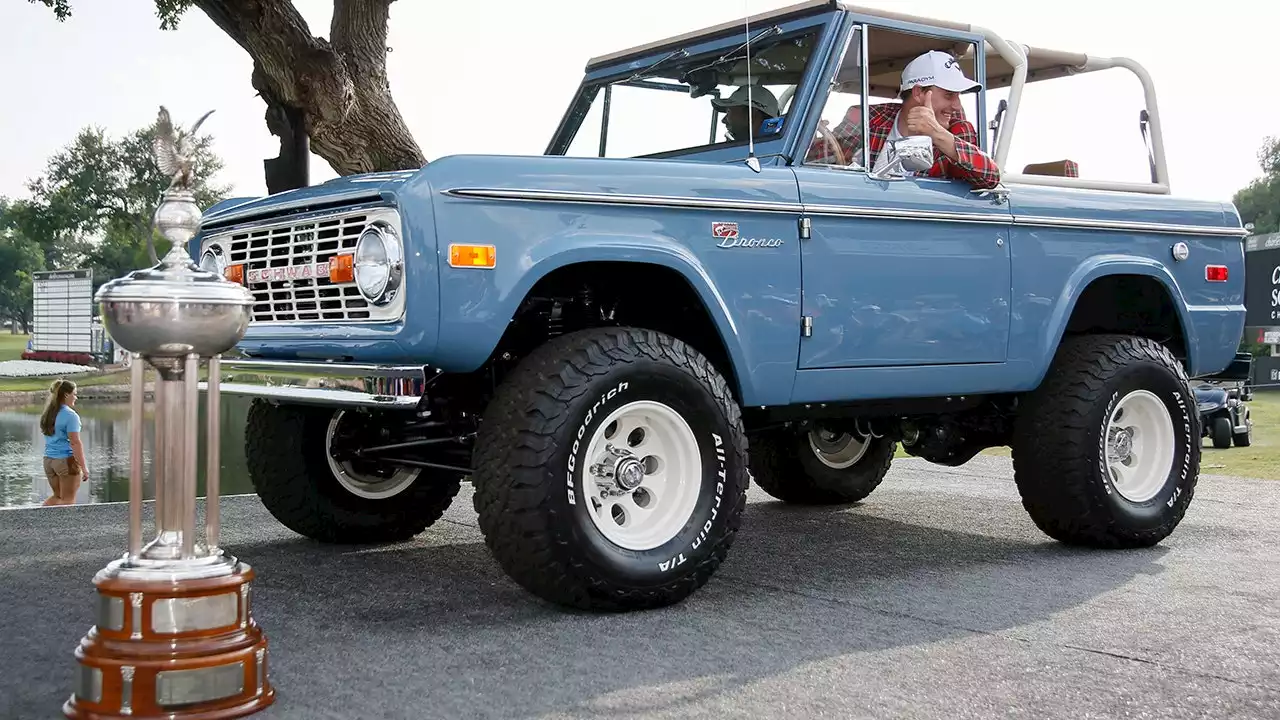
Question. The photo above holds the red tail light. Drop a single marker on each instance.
(1215, 273)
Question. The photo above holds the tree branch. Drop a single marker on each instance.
(339, 89)
(359, 34)
(279, 40)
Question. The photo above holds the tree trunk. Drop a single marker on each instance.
(338, 86)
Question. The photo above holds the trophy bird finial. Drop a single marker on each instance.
(174, 151)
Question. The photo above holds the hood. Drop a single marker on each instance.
(1210, 395)
(344, 190)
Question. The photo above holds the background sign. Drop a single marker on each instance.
(1266, 372)
(1262, 281)
(62, 316)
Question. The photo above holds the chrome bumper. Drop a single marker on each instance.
(325, 383)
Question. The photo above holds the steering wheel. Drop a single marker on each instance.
(832, 144)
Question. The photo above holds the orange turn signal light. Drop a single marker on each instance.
(342, 268)
(481, 256)
(234, 273)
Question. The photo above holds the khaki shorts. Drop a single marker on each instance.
(59, 469)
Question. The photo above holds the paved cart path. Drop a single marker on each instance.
(936, 597)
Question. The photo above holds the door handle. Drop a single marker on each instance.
(999, 194)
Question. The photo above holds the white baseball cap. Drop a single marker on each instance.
(937, 69)
(761, 99)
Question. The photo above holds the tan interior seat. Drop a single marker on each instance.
(1058, 168)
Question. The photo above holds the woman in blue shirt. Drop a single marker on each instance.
(64, 462)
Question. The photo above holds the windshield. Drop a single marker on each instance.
(682, 104)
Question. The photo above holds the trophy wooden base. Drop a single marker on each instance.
(169, 645)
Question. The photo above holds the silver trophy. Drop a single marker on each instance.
(175, 636)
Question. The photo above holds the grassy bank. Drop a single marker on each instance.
(1262, 458)
(29, 384)
(12, 346)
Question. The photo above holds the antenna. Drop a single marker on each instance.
(752, 161)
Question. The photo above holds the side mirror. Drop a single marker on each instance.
(911, 154)
(916, 152)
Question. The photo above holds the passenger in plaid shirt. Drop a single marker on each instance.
(931, 89)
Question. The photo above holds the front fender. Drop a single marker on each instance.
(1101, 266)
(477, 304)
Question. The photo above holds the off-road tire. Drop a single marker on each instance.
(1221, 433)
(784, 465)
(285, 454)
(530, 493)
(1059, 443)
(1245, 438)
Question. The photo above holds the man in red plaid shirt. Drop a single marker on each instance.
(931, 88)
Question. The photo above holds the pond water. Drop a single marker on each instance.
(105, 434)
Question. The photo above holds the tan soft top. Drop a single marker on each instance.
(888, 52)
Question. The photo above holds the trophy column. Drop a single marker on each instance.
(175, 636)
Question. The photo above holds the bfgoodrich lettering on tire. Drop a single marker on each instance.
(610, 470)
(1106, 452)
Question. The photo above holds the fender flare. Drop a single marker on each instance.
(567, 250)
(1101, 266)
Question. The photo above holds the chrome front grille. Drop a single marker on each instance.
(285, 266)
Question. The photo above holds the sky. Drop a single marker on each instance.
(495, 77)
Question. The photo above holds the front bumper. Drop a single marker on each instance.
(325, 383)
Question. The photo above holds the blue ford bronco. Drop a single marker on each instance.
(611, 340)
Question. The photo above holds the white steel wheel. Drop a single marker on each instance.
(368, 485)
(1139, 446)
(838, 450)
(643, 473)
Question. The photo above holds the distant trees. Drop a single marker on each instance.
(91, 207)
(1259, 201)
(20, 257)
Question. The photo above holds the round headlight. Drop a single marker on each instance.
(211, 261)
(377, 264)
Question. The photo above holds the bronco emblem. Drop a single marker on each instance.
(727, 233)
(724, 229)
(750, 242)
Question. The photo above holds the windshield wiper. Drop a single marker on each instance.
(681, 53)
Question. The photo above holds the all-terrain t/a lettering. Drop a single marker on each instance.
(715, 509)
(671, 564)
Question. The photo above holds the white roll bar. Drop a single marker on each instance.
(1017, 57)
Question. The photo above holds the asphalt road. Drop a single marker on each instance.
(935, 598)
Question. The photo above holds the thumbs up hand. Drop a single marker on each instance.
(921, 120)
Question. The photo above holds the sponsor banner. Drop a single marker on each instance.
(1262, 287)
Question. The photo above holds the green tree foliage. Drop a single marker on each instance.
(1259, 201)
(94, 204)
(169, 11)
(20, 257)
